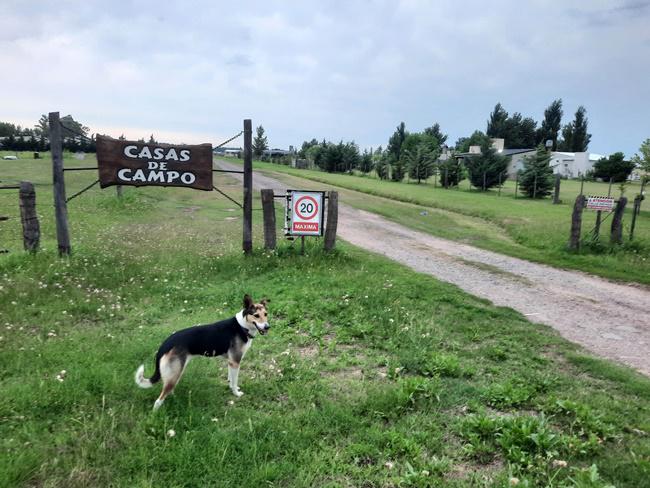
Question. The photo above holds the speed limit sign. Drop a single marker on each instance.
(306, 213)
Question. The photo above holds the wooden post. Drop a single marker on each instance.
(28, 216)
(499, 193)
(535, 187)
(268, 210)
(118, 189)
(597, 226)
(576, 223)
(248, 187)
(616, 236)
(516, 183)
(556, 194)
(332, 220)
(60, 205)
(635, 210)
(446, 177)
(302, 245)
(484, 181)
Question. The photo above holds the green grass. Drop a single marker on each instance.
(533, 230)
(372, 375)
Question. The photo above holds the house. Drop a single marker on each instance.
(567, 164)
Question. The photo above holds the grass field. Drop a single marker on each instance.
(533, 230)
(372, 375)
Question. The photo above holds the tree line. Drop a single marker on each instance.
(419, 155)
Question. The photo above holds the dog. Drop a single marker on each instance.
(231, 338)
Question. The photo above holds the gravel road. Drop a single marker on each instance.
(610, 319)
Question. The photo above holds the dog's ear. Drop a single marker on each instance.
(264, 301)
(248, 302)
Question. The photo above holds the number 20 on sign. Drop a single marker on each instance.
(306, 213)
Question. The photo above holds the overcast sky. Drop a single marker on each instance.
(191, 71)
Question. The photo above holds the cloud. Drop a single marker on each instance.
(336, 70)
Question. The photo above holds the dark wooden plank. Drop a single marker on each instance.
(60, 206)
(268, 211)
(29, 217)
(576, 223)
(248, 187)
(616, 235)
(332, 220)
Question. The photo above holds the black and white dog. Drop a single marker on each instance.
(231, 337)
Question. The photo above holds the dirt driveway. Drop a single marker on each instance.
(612, 320)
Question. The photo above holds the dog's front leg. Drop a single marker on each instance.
(233, 378)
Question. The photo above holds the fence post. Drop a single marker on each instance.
(616, 236)
(268, 210)
(332, 220)
(60, 205)
(556, 194)
(576, 223)
(248, 187)
(118, 189)
(28, 216)
(516, 183)
(635, 210)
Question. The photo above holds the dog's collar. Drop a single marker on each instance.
(242, 323)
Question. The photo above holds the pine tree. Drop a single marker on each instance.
(575, 137)
(435, 131)
(497, 124)
(487, 169)
(367, 163)
(551, 124)
(260, 143)
(397, 169)
(382, 167)
(152, 140)
(395, 142)
(450, 172)
(536, 179)
(419, 162)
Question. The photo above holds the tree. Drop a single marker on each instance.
(476, 139)
(419, 162)
(614, 167)
(260, 143)
(418, 153)
(528, 133)
(435, 131)
(42, 127)
(7, 129)
(366, 163)
(306, 145)
(643, 161)
(575, 137)
(497, 125)
(488, 168)
(551, 124)
(395, 142)
(536, 179)
(71, 128)
(152, 140)
(382, 167)
(451, 172)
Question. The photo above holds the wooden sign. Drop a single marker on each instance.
(142, 164)
(306, 213)
(600, 203)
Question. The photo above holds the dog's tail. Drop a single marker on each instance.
(143, 382)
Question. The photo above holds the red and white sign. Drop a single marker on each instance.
(600, 203)
(306, 213)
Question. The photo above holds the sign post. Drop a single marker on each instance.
(305, 213)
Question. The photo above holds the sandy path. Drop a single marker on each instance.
(610, 319)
